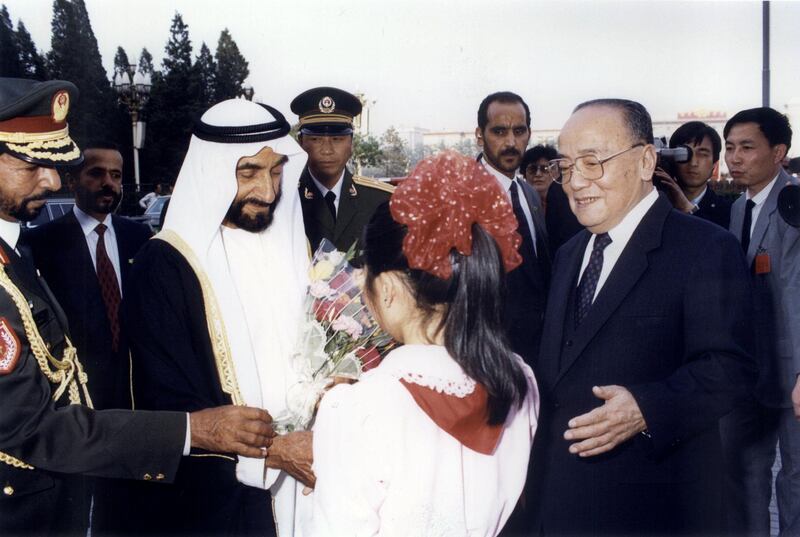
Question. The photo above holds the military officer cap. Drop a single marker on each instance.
(33, 121)
(326, 111)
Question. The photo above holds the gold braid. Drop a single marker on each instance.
(67, 373)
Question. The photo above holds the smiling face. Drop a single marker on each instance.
(23, 188)
(602, 131)
(751, 160)
(259, 190)
(505, 136)
(98, 184)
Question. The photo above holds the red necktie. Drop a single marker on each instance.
(109, 287)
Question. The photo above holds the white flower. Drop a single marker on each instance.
(336, 257)
(320, 289)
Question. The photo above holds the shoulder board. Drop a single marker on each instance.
(372, 183)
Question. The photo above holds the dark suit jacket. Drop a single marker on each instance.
(777, 296)
(562, 224)
(715, 209)
(356, 205)
(671, 324)
(63, 258)
(58, 439)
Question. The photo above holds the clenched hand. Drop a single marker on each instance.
(607, 426)
(232, 429)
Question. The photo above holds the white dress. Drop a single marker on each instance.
(385, 468)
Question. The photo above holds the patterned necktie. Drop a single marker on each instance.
(330, 201)
(590, 277)
(747, 224)
(109, 287)
(527, 250)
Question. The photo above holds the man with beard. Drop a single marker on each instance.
(85, 257)
(48, 430)
(213, 309)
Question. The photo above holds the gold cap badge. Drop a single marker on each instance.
(60, 106)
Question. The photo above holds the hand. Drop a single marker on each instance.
(607, 426)
(293, 454)
(674, 192)
(232, 429)
(796, 398)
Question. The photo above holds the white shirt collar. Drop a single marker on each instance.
(759, 198)
(337, 188)
(88, 223)
(503, 179)
(9, 232)
(699, 198)
(622, 232)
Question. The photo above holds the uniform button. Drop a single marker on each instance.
(568, 343)
(147, 477)
(8, 490)
(159, 477)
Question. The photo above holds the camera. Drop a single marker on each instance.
(789, 205)
(668, 157)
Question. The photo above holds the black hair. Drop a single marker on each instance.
(92, 144)
(472, 297)
(773, 124)
(637, 117)
(501, 97)
(547, 152)
(693, 133)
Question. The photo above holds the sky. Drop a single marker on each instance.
(429, 63)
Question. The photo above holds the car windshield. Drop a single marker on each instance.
(156, 206)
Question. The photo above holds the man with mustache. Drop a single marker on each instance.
(213, 310)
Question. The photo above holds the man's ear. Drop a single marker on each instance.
(70, 179)
(779, 152)
(649, 159)
(479, 137)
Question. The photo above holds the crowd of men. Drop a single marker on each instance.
(662, 322)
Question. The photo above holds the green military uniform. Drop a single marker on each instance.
(327, 111)
(359, 198)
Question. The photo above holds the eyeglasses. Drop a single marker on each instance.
(589, 166)
(538, 169)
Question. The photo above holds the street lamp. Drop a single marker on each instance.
(248, 92)
(133, 90)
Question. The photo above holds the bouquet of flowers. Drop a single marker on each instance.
(339, 338)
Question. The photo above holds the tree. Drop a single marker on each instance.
(232, 68)
(206, 73)
(395, 157)
(366, 152)
(146, 62)
(74, 56)
(31, 62)
(121, 61)
(9, 52)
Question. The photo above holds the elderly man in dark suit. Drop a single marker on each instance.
(638, 361)
(85, 257)
(756, 142)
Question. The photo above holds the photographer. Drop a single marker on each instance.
(686, 183)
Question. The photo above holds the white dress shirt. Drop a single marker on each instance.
(696, 201)
(505, 182)
(9, 232)
(337, 188)
(759, 200)
(88, 225)
(620, 235)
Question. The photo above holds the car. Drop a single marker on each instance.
(53, 208)
(152, 215)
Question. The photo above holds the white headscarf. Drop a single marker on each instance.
(204, 191)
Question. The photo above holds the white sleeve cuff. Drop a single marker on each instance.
(187, 444)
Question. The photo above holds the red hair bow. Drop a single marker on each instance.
(439, 202)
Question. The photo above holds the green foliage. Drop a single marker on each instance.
(179, 48)
(366, 151)
(146, 62)
(9, 52)
(121, 61)
(232, 68)
(205, 68)
(31, 62)
(395, 154)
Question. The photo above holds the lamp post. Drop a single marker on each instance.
(248, 92)
(133, 90)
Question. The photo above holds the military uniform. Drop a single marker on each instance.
(48, 431)
(329, 111)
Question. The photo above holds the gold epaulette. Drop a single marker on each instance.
(372, 183)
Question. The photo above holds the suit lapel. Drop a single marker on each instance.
(629, 268)
(312, 199)
(560, 288)
(123, 246)
(348, 205)
(737, 217)
(764, 216)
